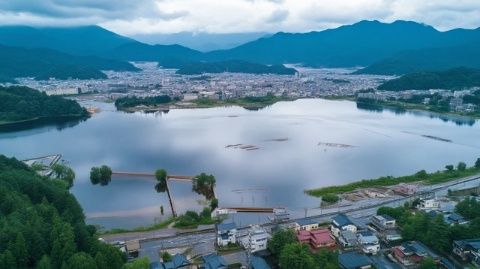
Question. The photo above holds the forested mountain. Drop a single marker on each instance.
(46, 63)
(456, 78)
(430, 59)
(22, 103)
(409, 45)
(84, 40)
(43, 226)
(143, 52)
(233, 66)
(360, 44)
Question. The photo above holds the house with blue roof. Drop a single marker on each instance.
(259, 263)
(178, 261)
(226, 234)
(368, 242)
(342, 222)
(214, 261)
(354, 260)
(468, 250)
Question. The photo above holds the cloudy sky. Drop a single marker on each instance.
(235, 16)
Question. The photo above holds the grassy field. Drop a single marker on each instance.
(160, 225)
(427, 178)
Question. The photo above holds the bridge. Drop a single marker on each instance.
(151, 175)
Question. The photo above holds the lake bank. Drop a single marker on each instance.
(387, 181)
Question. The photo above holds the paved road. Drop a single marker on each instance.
(202, 241)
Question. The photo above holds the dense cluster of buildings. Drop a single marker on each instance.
(152, 80)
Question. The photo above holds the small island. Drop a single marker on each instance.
(20, 105)
(164, 102)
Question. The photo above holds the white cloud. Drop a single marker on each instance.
(233, 16)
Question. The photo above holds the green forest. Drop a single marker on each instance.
(451, 79)
(23, 104)
(127, 102)
(43, 226)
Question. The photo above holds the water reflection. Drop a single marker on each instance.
(188, 142)
(457, 119)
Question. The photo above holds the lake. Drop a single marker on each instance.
(259, 158)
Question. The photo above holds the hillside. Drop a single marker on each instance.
(431, 59)
(25, 104)
(143, 52)
(45, 63)
(456, 78)
(360, 44)
(233, 66)
(84, 40)
(43, 226)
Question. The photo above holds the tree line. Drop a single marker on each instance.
(19, 103)
(43, 226)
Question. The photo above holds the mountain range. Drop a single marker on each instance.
(383, 48)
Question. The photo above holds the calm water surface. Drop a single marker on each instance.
(288, 160)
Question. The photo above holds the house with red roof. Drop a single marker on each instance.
(321, 238)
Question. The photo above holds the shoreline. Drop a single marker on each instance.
(433, 178)
(40, 120)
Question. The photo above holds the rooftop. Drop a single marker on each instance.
(342, 220)
(353, 260)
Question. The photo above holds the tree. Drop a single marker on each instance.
(449, 167)
(95, 175)
(44, 263)
(461, 166)
(477, 163)
(428, 263)
(214, 203)
(204, 184)
(296, 255)
(101, 261)
(7, 260)
(101, 175)
(64, 173)
(81, 260)
(19, 250)
(161, 176)
(326, 259)
(280, 239)
(422, 174)
(438, 234)
(142, 263)
(166, 257)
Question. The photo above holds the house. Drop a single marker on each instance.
(428, 204)
(455, 219)
(368, 242)
(178, 261)
(316, 238)
(411, 253)
(342, 223)
(306, 224)
(354, 260)
(226, 234)
(389, 236)
(214, 261)
(348, 239)
(259, 263)
(256, 240)
(468, 250)
(383, 222)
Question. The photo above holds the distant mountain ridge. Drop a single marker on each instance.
(360, 44)
(384, 48)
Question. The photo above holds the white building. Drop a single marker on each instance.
(342, 223)
(368, 242)
(383, 222)
(429, 204)
(226, 234)
(256, 239)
